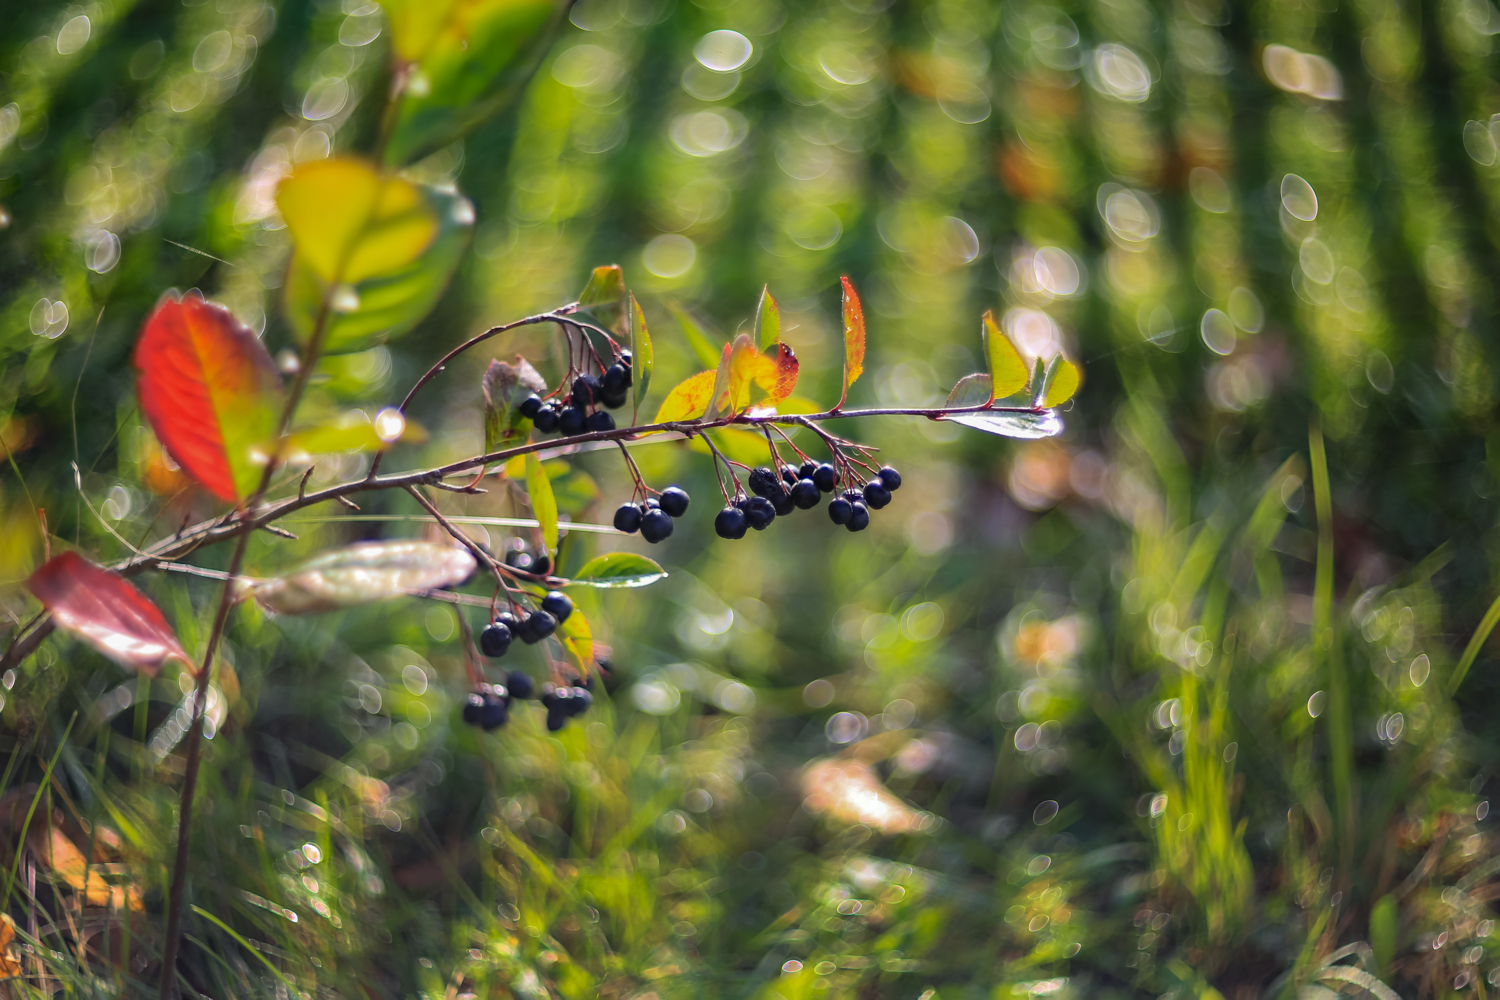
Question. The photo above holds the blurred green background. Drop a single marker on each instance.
(1082, 717)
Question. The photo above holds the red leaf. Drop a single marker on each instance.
(854, 337)
(210, 391)
(105, 611)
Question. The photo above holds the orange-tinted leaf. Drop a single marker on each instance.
(210, 391)
(688, 399)
(854, 336)
(785, 367)
(105, 611)
(1007, 369)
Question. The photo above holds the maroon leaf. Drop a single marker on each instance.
(105, 611)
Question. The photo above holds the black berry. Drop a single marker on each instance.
(763, 482)
(541, 565)
(731, 523)
(519, 684)
(674, 500)
(825, 478)
(518, 558)
(546, 419)
(537, 626)
(628, 518)
(530, 406)
(494, 713)
(782, 503)
(839, 510)
(616, 378)
(859, 520)
(571, 421)
(876, 494)
(600, 420)
(656, 526)
(585, 390)
(495, 639)
(807, 470)
(759, 513)
(510, 620)
(613, 400)
(557, 717)
(806, 495)
(789, 475)
(558, 605)
(580, 702)
(473, 708)
(891, 478)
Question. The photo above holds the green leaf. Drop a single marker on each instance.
(364, 573)
(1038, 384)
(618, 569)
(696, 338)
(505, 387)
(384, 305)
(1384, 922)
(1023, 424)
(464, 60)
(641, 356)
(352, 432)
(606, 287)
(543, 503)
(971, 390)
(767, 321)
(1007, 368)
(350, 222)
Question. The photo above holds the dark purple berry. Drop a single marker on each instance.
(613, 400)
(806, 495)
(789, 475)
(473, 708)
(600, 420)
(580, 702)
(557, 717)
(763, 482)
(839, 510)
(859, 520)
(759, 513)
(825, 478)
(530, 406)
(548, 697)
(585, 391)
(572, 421)
(537, 626)
(541, 565)
(656, 526)
(891, 478)
(494, 713)
(546, 419)
(510, 620)
(674, 500)
(628, 518)
(731, 523)
(495, 639)
(782, 503)
(558, 605)
(876, 495)
(807, 470)
(519, 684)
(616, 378)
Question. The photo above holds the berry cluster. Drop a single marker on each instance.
(802, 489)
(562, 703)
(653, 518)
(530, 627)
(586, 406)
(489, 707)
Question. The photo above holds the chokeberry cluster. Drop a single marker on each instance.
(488, 706)
(653, 518)
(586, 406)
(802, 488)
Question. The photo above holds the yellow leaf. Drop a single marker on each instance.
(543, 503)
(1063, 385)
(687, 400)
(1007, 369)
(349, 222)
